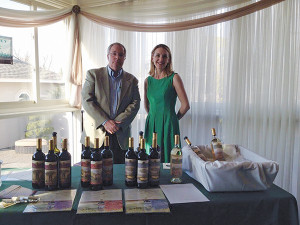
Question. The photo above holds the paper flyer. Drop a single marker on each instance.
(16, 191)
(183, 193)
(145, 201)
(103, 201)
(51, 201)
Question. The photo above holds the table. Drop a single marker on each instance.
(273, 206)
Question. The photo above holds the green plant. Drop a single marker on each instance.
(38, 127)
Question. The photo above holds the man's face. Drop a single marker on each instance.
(116, 57)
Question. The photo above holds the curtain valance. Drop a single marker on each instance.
(143, 16)
(167, 10)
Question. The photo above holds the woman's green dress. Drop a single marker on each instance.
(162, 117)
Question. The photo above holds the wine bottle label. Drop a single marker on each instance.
(108, 170)
(196, 150)
(96, 172)
(130, 169)
(51, 173)
(142, 171)
(85, 170)
(38, 172)
(65, 172)
(154, 169)
(176, 166)
(218, 151)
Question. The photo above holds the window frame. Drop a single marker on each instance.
(36, 105)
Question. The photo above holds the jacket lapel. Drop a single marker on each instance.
(104, 81)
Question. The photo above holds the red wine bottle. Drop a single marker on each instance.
(130, 165)
(96, 168)
(64, 166)
(86, 164)
(38, 167)
(142, 167)
(107, 163)
(154, 163)
(51, 172)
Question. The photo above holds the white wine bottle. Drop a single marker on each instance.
(195, 149)
(176, 162)
(216, 146)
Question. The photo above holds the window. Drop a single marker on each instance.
(34, 91)
(39, 68)
(19, 74)
(53, 59)
(18, 143)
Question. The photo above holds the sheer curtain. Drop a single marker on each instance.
(191, 51)
(241, 77)
(261, 88)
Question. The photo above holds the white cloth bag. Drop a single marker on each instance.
(243, 170)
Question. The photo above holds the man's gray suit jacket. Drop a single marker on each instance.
(96, 104)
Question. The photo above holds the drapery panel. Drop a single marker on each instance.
(181, 25)
(20, 18)
(262, 88)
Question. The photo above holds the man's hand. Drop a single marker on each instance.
(111, 126)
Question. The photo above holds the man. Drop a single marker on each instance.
(111, 100)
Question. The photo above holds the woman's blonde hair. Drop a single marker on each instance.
(169, 68)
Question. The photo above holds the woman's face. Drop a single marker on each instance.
(160, 58)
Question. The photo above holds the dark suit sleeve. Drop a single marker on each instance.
(128, 115)
(89, 100)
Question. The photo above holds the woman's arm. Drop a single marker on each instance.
(185, 106)
(146, 102)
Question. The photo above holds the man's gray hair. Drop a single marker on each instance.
(116, 43)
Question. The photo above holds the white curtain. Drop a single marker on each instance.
(241, 77)
(262, 88)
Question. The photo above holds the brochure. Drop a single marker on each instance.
(145, 201)
(51, 201)
(103, 201)
(16, 191)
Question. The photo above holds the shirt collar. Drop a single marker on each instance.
(111, 72)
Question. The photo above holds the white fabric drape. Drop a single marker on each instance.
(157, 11)
(261, 88)
(19, 18)
(241, 77)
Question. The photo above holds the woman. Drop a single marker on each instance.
(161, 90)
